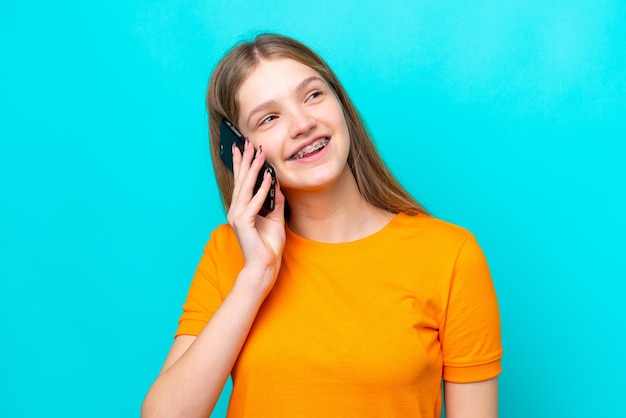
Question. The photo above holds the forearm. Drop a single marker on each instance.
(190, 385)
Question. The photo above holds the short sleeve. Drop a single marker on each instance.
(470, 332)
(211, 282)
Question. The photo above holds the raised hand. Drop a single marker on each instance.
(262, 239)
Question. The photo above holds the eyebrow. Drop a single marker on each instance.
(263, 106)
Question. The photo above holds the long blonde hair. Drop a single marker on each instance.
(374, 180)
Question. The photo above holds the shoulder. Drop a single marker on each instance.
(436, 239)
(431, 229)
(223, 231)
(222, 238)
(223, 250)
(222, 259)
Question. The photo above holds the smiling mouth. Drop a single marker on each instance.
(311, 149)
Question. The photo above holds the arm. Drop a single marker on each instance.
(197, 367)
(471, 400)
(471, 338)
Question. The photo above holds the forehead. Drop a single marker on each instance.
(273, 77)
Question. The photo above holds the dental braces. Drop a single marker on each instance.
(309, 149)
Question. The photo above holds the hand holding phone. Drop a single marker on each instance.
(229, 134)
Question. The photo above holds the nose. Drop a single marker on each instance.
(301, 122)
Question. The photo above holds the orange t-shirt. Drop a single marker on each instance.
(363, 328)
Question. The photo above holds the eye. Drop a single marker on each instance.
(314, 95)
(267, 119)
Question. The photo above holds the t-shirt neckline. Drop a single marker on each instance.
(293, 237)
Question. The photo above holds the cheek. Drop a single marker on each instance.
(345, 131)
(271, 149)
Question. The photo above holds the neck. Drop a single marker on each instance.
(337, 213)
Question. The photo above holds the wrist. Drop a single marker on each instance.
(256, 281)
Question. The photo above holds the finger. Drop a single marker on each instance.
(259, 197)
(238, 165)
(243, 192)
(252, 176)
(279, 204)
(236, 170)
(241, 171)
(280, 197)
(236, 158)
(246, 159)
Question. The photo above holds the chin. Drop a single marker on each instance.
(326, 178)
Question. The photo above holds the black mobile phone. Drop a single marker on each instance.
(229, 134)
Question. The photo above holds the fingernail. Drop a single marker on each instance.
(247, 142)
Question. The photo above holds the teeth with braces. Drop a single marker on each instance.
(309, 149)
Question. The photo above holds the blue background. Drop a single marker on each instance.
(506, 117)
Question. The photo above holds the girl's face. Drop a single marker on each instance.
(290, 110)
